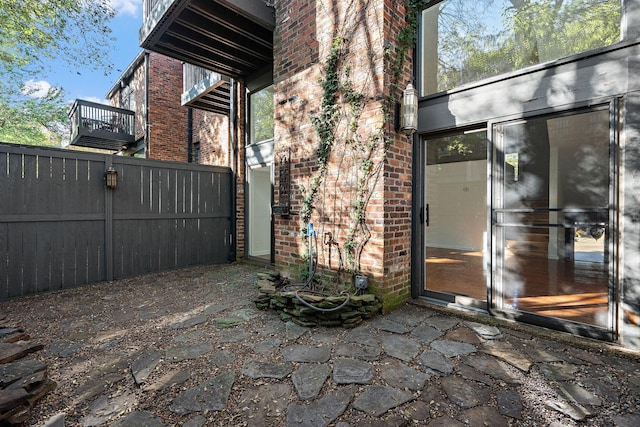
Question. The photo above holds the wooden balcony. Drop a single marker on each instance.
(230, 37)
(101, 126)
(205, 89)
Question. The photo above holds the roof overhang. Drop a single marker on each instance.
(231, 37)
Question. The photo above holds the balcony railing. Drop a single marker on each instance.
(205, 89)
(101, 126)
(147, 7)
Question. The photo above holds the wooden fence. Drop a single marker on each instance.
(61, 227)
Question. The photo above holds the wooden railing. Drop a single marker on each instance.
(192, 75)
(147, 7)
(101, 121)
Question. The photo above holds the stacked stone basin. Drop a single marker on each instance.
(306, 308)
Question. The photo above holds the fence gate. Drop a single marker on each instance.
(61, 227)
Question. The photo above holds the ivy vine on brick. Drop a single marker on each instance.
(336, 85)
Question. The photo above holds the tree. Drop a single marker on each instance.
(33, 33)
(489, 37)
(33, 120)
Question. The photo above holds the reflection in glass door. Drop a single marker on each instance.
(551, 217)
(456, 217)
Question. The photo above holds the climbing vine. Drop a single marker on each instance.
(337, 86)
(324, 123)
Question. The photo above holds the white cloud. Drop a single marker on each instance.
(126, 7)
(36, 89)
(96, 100)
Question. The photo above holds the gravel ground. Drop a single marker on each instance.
(92, 334)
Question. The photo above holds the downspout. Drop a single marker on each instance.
(190, 135)
(146, 103)
(233, 107)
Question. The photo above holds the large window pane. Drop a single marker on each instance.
(552, 222)
(261, 115)
(465, 41)
(456, 215)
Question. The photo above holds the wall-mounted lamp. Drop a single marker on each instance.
(409, 110)
(111, 177)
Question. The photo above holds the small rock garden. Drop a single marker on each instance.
(308, 308)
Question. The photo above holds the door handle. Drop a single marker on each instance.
(426, 214)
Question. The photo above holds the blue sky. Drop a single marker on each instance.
(93, 85)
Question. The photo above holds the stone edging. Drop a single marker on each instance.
(289, 307)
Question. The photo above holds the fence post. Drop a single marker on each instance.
(108, 223)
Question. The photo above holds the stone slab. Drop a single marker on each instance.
(512, 357)
(442, 323)
(222, 358)
(378, 399)
(144, 364)
(188, 351)
(453, 348)
(321, 412)
(509, 403)
(294, 331)
(435, 361)
(211, 395)
(465, 393)
(169, 379)
(257, 369)
(351, 371)
(306, 353)
(403, 377)
(578, 394)
(265, 404)
(482, 416)
(385, 324)
(362, 335)
(572, 410)
(427, 333)
(189, 322)
(558, 372)
(309, 378)
(399, 346)
(357, 351)
(485, 331)
(494, 368)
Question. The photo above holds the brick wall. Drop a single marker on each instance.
(167, 117)
(212, 132)
(382, 246)
(239, 167)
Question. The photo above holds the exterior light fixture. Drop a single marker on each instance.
(409, 110)
(111, 178)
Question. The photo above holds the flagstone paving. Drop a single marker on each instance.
(230, 364)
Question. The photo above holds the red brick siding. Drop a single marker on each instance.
(212, 132)
(365, 30)
(167, 117)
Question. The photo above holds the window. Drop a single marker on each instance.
(261, 115)
(465, 41)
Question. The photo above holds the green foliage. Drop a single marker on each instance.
(33, 121)
(32, 34)
(324, 123)
(486, 38)
(370, 154)
(262, 115)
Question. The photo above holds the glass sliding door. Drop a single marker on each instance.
(551, 219)
(455, 217)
